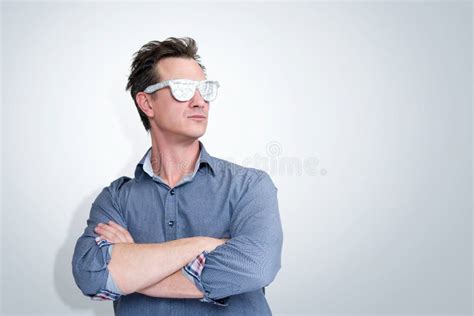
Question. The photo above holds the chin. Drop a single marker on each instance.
(198, 132)
(197, 135)
(194, 134)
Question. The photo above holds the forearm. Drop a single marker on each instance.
(252, 257)
(138, 266)
(173, 286)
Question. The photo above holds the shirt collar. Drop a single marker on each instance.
(144, 166)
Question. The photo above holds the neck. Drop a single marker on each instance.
(172, 158)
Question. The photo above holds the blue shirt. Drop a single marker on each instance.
(190, 270)
(220, 199)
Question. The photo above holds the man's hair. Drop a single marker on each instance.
(144, 69)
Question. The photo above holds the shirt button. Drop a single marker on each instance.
(172, 191)
(171, 223)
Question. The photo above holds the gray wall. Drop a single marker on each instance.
(361, 113)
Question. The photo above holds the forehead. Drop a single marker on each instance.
(179, 68)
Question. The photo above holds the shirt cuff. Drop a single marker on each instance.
(111, 291)
(193, 272)
(111, 286)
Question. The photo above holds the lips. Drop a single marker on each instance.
(197, 116)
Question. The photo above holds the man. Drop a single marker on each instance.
(190, 234)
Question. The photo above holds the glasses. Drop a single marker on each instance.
(184, 89)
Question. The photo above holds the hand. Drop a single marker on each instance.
(211, 243)
(113, 232)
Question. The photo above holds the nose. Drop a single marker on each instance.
(198, 100)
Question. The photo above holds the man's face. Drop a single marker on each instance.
(171, 116)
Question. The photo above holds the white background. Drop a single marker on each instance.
(377, 97)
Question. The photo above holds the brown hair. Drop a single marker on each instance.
(142, 70)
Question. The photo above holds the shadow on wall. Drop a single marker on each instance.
(64, 283)
(131, 127)
(138, 140)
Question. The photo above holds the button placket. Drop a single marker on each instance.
(171, 215)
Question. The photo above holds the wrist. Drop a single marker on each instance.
(210, 243)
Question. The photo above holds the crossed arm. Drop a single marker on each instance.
(247, 262)
(153, 269)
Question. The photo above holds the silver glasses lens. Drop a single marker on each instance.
(208, 90)
(183, 90)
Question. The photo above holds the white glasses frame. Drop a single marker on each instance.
(196, 84)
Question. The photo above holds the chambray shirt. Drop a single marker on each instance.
(191, 270)
(220, 199)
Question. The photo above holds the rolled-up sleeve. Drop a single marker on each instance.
(111, 286)
(251, 258)
(193, 272)
(92, 255)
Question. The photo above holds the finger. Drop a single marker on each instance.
(108, 228)
(125, 232)
(105, 234)
(118, 231)
(129, 238)
(114, 224)
(110, 236)
(121, 235)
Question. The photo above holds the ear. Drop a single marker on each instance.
(144, 103)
